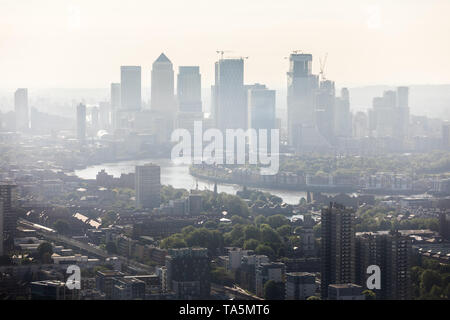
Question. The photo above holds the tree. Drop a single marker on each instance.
(220, 276)
(43, 249)
(273, 290)
(251, 244)
(277, 221)
(265, 250)
(370, 295)
(428, 279)
(61, 226)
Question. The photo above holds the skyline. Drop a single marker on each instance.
(71, 39)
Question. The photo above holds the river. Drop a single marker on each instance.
(178, 176)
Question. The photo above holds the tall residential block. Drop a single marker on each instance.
(337, 246)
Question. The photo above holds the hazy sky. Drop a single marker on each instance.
(69, 43)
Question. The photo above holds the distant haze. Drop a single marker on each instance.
(83, 43)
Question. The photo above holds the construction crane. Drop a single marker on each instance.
(221, 52)
(323, 63)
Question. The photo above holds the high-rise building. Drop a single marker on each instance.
(189, 98)
(21, 109)
(9, 215)
(444, 224)
(446, 135)
(94, 119)
(148, 186)
(1, 229)
(189, 89)
(81, 122)
(391, 252)
(301, 95)
(261, 110)
(130, 88)
(188, 273)
(162, 90)
(115, 101)
(229, 95)
(325, 109)
(105, 115)
(300, 285)
(343, 120)
(337, 246)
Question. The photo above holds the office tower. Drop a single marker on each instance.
(325, 105)
(345, 291)
(81, 122)
(300, 285)
(9, 215)
(148, 186)
(21, 109)
(94, 119)
(105, 118)
(337, 246)
(401, 128)
(229, 95)
(301, 94)
(189, 98)
(360, 125)
(392, 253)
(130, 88)
(115, 103)
(343, 120)
(274, 271)
(188, 273)
(189, 89)
(261, 111)
(162, 90)
(390, 114)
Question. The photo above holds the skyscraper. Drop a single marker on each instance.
(261, 110)
(343, 120)
(189, 89)
(130, 88)
(162, 91)
(148, 186)
(81, 122)
(230, 99)
(301, 94)
(337, 247)
(21, 109)
(325, 109)
(115, 103)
